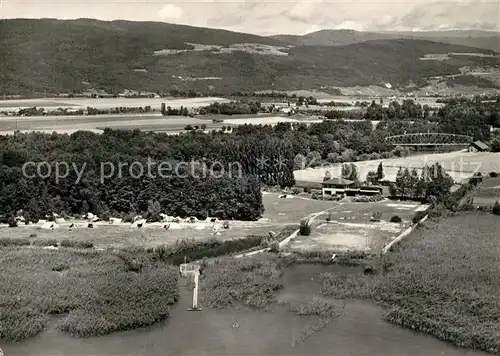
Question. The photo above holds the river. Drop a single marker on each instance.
(360, 330)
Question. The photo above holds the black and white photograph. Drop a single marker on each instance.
(249, 178)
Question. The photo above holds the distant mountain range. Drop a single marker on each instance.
(49, 55)
(472, 38)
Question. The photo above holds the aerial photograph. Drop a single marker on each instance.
(249, 178)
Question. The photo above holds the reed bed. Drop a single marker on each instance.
(251, 281)
(96, 292)
(444, 281)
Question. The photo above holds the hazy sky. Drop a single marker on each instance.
(271, 17)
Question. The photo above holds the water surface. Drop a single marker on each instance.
(360, 330)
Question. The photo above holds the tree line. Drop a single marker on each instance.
(34, 111)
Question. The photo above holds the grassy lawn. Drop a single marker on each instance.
(488, 193)
(292, 209)
(444, 280)
(97, 292)
(349, 227)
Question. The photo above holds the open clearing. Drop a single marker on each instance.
(291, 209)
(255, 48)
(350, 227)
(459, 165)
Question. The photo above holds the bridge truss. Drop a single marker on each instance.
(429, 139)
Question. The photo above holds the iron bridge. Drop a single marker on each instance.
(429, 139)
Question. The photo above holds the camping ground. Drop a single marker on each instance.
(350, 228)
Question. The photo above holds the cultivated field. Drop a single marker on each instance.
(70, 124)
(151, 122)
(350, 227)
(146, 122)
(460, 165)
(107, 103)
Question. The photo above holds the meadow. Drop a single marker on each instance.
(70, 124)
(459, 165)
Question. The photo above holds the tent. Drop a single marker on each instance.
(115, 221)
(49, 225)
(139, 223)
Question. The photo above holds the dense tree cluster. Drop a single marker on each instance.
(168, 111)
(232, 108)
(302, 100)
(221, 192)
(432, 182)
(472, 117)
(266, 154)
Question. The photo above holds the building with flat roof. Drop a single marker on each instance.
(335, 186)
(479, 146)
(341, 186)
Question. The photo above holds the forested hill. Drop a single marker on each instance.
(64, 56)
(480, 39)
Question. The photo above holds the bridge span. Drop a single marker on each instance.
(429, 139)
